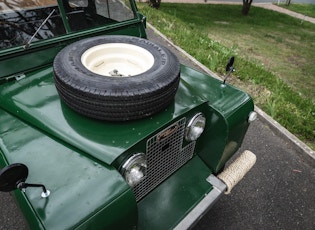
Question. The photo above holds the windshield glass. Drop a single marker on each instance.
(22, 21)
(85, 14)
(19, 21)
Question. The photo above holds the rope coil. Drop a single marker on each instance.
(237, 170)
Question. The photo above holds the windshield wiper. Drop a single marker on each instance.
(39, 28)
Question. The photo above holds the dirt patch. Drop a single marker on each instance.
(221, 22)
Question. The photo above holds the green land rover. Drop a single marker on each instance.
(101, 128)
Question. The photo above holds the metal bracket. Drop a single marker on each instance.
(217, 183)
(17, 77)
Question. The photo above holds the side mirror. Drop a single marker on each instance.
(229, 69)
(14, 176)
(229, 66)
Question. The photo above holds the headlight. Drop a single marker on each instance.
(134, 169)
(195, 127)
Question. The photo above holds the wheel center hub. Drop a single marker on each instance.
(115, 73)
(117, 60)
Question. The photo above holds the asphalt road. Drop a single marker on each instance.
(278, 193)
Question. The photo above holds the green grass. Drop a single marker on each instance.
(305, 9)
(274, 55)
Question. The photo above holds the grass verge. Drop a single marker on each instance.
(274, 55)
(305, 9)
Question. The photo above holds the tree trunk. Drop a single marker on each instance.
(155, 3)
(246, 6)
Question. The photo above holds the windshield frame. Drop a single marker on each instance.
(68, 31)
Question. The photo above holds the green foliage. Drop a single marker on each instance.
(274, 55)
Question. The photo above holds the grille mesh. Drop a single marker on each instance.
(164, 156)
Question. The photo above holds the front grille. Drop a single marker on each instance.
(164, 156)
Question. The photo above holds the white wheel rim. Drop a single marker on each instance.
(117, 60)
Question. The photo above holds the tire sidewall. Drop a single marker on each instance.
(155, 78)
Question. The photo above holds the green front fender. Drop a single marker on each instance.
(227, 117)
(84, 193)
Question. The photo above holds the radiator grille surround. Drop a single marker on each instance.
(165, 155)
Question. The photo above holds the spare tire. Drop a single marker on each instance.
(116, 78)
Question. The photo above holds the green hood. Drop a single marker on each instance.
(35, 100)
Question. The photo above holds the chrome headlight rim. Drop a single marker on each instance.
(191, 133)
(137, 161)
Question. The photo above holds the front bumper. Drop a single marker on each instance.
(197, 213)
(180, 201)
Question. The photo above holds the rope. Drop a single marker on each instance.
(237, 169)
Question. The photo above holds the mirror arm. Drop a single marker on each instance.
(228, 74)
(22, 186)
(229, 69)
